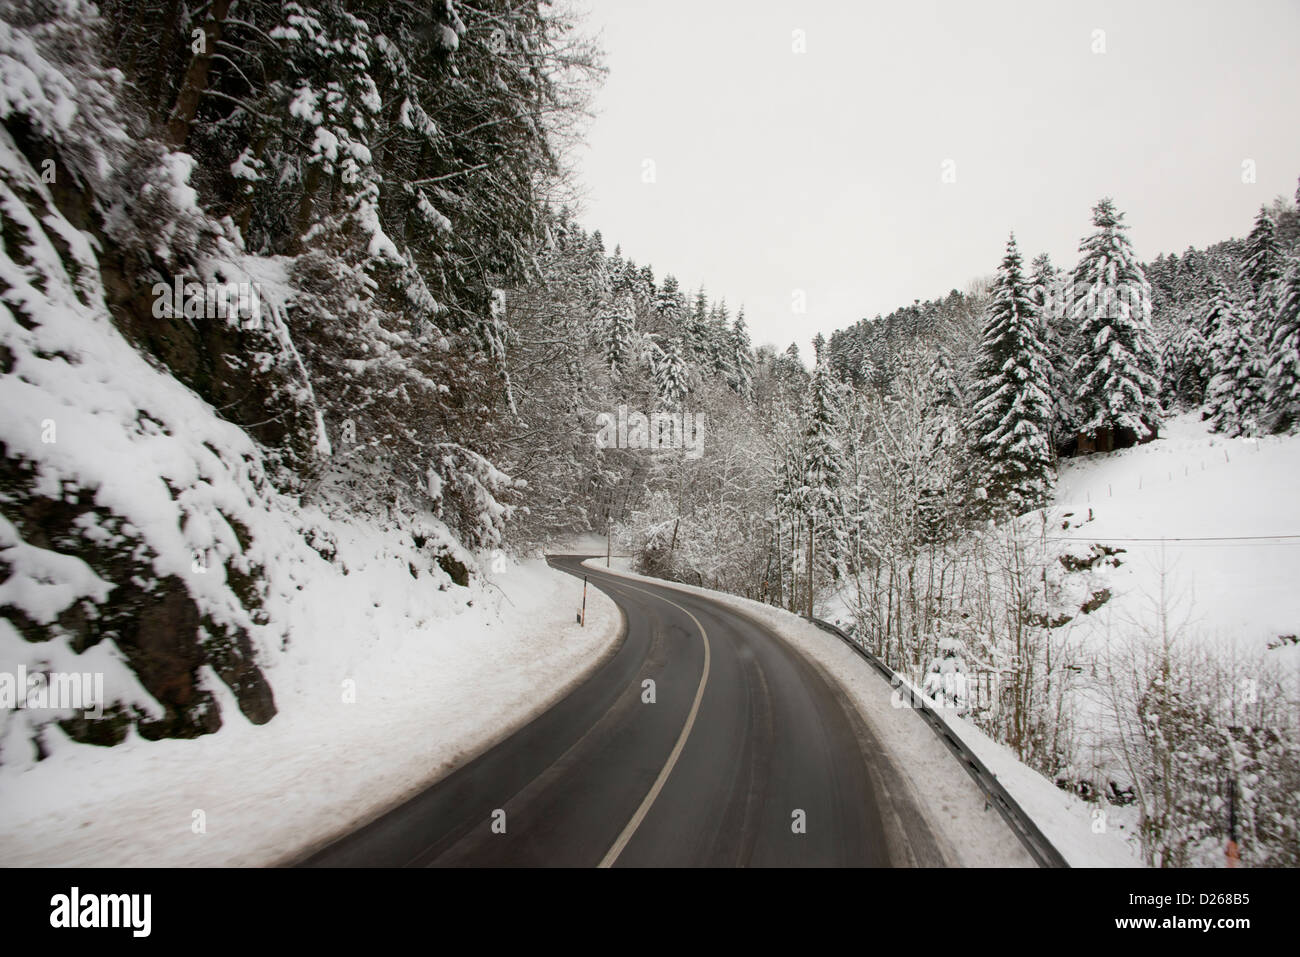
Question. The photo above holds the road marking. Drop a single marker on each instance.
(612, 854)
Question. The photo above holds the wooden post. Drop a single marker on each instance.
(584, 602)
(608, 525)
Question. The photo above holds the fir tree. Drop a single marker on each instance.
(742, 357)
(669, 371)
(822, 458)
(1013, 415)
(1235, 395)
(822, 467)
(942, 488)
(618, 337)
(1118, 369)
(695, 332)
(1263, 263)
(1283, 353)
(668, 301)
(1046, 293)
(789, 363)
(1185, 366)
(719, 342)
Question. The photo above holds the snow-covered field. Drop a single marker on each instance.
(429, 694)
(1221, 516)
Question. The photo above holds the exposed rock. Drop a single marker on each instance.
(1099, 598)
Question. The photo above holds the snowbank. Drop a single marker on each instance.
(428, 696)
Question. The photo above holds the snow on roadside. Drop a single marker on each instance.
(429, 695)
(952, 802)
(1084, 835)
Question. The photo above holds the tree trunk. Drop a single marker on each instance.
(812, 523)
(196, 76)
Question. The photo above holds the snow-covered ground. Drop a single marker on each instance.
(1208, 527)
(1085, 835)
(385, 672)
(429, 695)
(945, 793)
(1222, 516)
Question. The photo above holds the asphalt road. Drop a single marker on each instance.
(747, 756)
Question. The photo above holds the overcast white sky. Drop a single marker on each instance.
(821, 171)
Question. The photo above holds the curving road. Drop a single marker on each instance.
(747, 756)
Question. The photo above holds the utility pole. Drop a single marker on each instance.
(608, 524)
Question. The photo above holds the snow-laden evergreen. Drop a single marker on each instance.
(670, 372)
(1046, 292)
(741, 362)
(1012, 421)
(822, 459)
(1235, 395)
(1118, 369)
(1235, 389)
(1283, 353)
(618, 332)
(1262, 266)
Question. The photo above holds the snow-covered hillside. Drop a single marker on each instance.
(1220, 516)
(306, 665)
(1145, 625)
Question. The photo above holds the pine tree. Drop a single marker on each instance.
(1263, 263)
(822, 466)
(1235, 395)
(1283, 353)
(822, 460)
(668, 301)
(719, 342)
(1013, 413)
(1185, 366)
(742, 357)
(695, 329)
(595, 272)
(1046, 293)
(819, 347)
(669, 371)
(789, 365)
(943, 488)
(1118, 369)
(618, 337)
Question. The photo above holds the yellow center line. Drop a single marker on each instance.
(612, 854)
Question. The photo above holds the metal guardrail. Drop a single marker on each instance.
(1021, 824)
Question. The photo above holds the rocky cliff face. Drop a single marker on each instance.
(127, 507)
